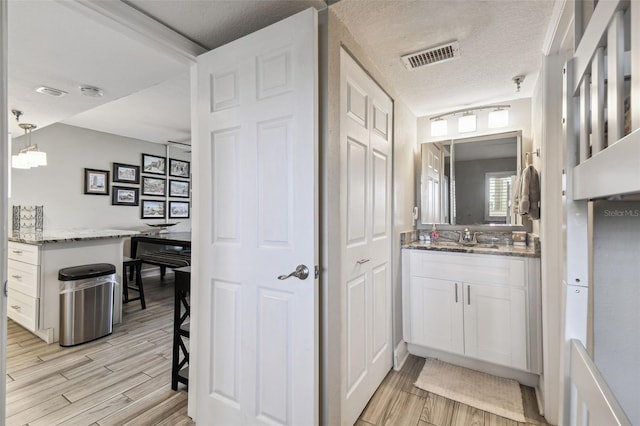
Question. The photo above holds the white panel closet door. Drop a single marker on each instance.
(366, 144)
(257, 348)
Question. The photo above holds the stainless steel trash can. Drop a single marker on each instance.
(86, 302)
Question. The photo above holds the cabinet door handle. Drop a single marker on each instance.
(362, 261)
(17, 251)
(468, 294)
(17, 277)
(456, 292)
(16, 307)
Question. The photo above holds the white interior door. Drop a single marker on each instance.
(257, 348)
(366, 144)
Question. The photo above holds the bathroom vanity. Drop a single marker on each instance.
(475, 306)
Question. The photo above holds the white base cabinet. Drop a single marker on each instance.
(484, 307)
(33, 299)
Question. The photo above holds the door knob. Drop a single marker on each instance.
(301, 273)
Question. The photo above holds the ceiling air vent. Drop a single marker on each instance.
(446, 52)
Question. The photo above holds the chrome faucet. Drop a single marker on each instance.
(466, 237)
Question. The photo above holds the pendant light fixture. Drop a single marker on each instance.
(29, 156)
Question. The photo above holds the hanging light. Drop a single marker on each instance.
(29, 156)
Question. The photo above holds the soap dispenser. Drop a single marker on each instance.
(434, 235)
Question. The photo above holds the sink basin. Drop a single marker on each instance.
(455, 244)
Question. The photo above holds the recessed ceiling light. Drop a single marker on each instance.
(51, 91)
(91, 91)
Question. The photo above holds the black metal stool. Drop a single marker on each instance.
(135, 265)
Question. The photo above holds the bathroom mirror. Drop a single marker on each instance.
(470, 181)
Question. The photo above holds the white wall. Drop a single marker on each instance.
(59, 186)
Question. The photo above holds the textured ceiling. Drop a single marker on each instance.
(147, 93)
(499, 39)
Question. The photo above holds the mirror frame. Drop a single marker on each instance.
(525, 225)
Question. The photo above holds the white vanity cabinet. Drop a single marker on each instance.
(484, 307)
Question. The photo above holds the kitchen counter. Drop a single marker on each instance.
(500, 250)
(67, 235)
(36, 258)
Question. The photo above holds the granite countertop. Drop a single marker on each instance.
(500, 250)
(67, 235)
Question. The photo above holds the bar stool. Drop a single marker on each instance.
(135, 266)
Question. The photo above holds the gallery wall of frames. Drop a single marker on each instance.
(164, 185)
(98, 180)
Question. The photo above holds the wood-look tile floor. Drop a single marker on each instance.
(121, 379)
(398, 403)
(124, 379)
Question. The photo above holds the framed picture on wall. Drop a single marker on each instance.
(152, 209)
(154, 186)
(96, 182)
(154, 164)
(124, 196)
(178, 168)
(179, 188)
(178, 209)
(126, 173)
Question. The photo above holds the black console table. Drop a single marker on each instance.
(181, 332)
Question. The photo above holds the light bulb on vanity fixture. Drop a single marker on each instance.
(498, 118)
(439, 127)
(467, 123)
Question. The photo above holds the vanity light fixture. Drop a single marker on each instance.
(439, 127)
(468, 120)
(498, 118)
(467, 123)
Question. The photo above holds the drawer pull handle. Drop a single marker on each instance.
(17, 251)
(362, 261)
(17, 277)
(456, 292)
(16, 307)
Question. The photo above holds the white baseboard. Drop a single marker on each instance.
(539, 401)
(400, 355)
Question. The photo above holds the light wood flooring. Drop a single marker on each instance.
(121, 379)
(397, 402)
(124, 379)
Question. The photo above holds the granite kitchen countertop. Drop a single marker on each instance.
(68, 235)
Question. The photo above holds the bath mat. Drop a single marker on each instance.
(480, 390)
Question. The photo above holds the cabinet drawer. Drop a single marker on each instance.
(23, 277)
(27, 253)
(462, 267)
(23, 309)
